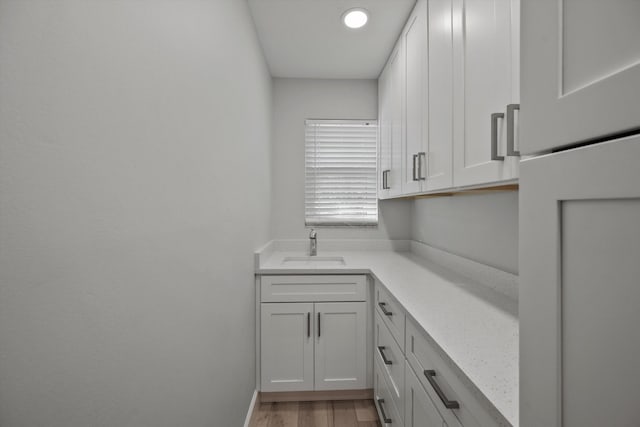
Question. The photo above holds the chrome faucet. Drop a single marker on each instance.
(313, 243)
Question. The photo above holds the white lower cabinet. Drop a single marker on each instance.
(287, 346)
(306, 346)
(340, 346)
(419, 409)
(391, 357)
(389, 414)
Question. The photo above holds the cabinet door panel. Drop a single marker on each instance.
(580, 71)
(483, 85)
(340, 346)
(396, 89)
(579, 293)
(440, 106)
(384, 134)
(416, 72)
(419, 409)
(287, 346)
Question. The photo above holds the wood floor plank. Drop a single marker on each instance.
(313, 414)
(344, 413)
(365, 410)
(262, 417)
(284, 414)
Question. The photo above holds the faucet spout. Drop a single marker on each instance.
(313, 243)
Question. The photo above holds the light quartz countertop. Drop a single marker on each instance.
(474, 324)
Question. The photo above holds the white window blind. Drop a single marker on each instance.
(341, 172)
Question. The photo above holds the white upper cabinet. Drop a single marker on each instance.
(438, 157)
(414, 42)
(581, 71)
(390, 100)
(485, 83)
(449, 95)
(384, 135)
(427, 153)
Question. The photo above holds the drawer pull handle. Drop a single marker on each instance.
(384, 358)
(383, 307)
(386, 419)
(318, 324)
(449, 404)
(308, 324)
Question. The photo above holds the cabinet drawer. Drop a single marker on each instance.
(391, 359)
(313, 288)
(383, 399)
(420, 410)
(391, 312)
(422, 357)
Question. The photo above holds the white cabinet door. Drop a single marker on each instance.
(396, 90)
(340, 345)
(580, 71)
(438, 157)
(414, 42)
(419, 409)
(287, 346)
(384, 134)
(484, 58)
(390, 124)
(580, 287)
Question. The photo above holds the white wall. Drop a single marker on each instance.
(126, 229)
(483, 227)
(295, 100)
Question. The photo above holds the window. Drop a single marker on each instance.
(341, 172)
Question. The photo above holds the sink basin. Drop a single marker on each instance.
(329, 261)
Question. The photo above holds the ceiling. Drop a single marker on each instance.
(306, 38)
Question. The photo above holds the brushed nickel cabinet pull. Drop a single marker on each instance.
(421, 155)
(511, 131)
(494, 136)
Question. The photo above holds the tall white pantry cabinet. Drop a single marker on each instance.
(579, 302)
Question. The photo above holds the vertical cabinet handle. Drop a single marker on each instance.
(318, 325)
(308, 324)
(449, 404)
(415, 156)
(421, 155)
(511, 131)
(494, 136)
(384, 356)
(386, 419)
(383, 307)
(385, 179)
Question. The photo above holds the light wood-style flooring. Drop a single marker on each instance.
(335, 413)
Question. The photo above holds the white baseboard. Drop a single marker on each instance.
(252, 406)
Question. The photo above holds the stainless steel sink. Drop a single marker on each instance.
(328, 261)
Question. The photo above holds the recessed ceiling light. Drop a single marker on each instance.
(355, 18)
